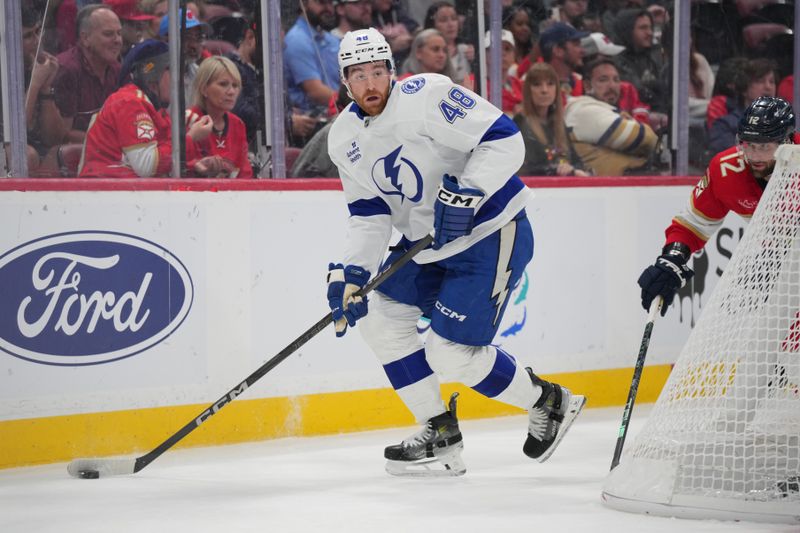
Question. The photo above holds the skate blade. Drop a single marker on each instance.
(446, 465)
(576, 403)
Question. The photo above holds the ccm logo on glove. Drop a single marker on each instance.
(456, 199)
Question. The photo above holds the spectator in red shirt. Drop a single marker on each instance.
(131, 136)
(216, 89)
(89, 71)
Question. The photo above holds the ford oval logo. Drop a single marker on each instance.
(90, 297)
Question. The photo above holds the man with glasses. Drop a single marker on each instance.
(734, 181)
(423, 156)
(191, 47)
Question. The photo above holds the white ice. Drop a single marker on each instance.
(337, 483)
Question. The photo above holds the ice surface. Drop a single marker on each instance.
(331, 484)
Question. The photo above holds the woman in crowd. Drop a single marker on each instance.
(548, 151)
(216, 88)
(443, 17)
(428, 54)
(517, 20)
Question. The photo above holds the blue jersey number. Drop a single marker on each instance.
(453, 111)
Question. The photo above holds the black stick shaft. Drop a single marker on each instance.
(655, 307)
(310, 333)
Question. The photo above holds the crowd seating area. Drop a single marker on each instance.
(741, 49)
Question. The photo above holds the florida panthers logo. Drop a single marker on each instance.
(395, 175)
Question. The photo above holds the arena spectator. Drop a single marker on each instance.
(314, 160)
(89, 71)
(642, 62)
(608, 142)
(548, 150)
(351, 15)
(428, 54)
(561, 47)
(216, 89)
(135, 23)
(240, 32)
(757, 78)
(310, 57)
(724, 95)
(596, 45)
(396, 26)
(443, 17)
(191, 47)
(131, 136)
(786, 89)
(511, 95)
(517, 20)
(156, 8)
(44, 123)
(571, 12)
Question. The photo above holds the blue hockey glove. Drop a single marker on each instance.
(666, 276)
(343, 282)
(454, 211)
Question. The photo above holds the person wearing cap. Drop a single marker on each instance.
(134, 22)
(599, 45)
(511, 94)
(351, 15)
(88, 72)
(191, 47)
(561, 47)
(609, 142)
(131, 135)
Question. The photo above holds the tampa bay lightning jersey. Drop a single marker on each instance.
(391, 165)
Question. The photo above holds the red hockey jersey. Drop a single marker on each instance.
(129, 138)
(728, 185)
(231, 143)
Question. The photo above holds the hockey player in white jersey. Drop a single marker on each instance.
(427, 156)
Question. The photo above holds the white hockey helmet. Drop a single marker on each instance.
(363, 46)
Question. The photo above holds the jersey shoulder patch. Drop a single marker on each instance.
(412, 85)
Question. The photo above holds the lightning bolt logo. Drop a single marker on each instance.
(390, 171)
(500, 289)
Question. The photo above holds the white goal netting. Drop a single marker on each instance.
(723, 440)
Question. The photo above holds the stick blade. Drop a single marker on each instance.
(104, 467)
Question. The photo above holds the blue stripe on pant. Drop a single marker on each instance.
(499, 377)
(408, 370)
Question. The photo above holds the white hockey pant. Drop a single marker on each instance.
(390, 329)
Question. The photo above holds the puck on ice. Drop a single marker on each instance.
(89, 474)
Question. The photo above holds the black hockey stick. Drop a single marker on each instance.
(94, 468)
(655, 307)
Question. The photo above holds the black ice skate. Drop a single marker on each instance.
(550, 418)
(433, 451)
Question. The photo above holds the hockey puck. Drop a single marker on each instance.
(88, 474)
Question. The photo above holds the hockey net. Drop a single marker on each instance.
(723, 440)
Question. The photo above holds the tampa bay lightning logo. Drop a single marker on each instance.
(413, 85)
(395, 175)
